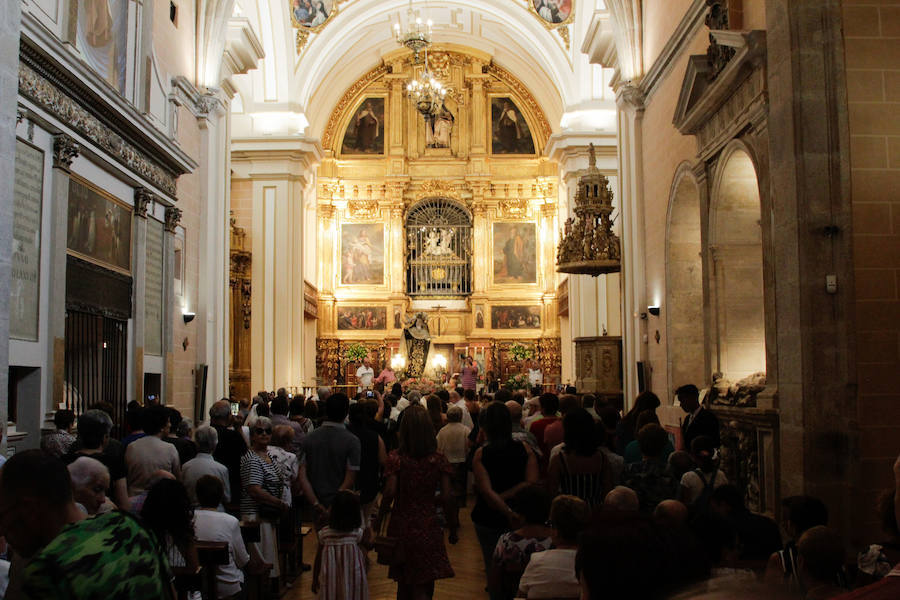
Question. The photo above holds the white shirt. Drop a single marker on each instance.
(364, 376)
(466, 417)
(535, 377)
(694, 485)
(204, 464)
(212, 526)
(144, 457)
(451, 442)
(551, 574)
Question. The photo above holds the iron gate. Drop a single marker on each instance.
(439, 249)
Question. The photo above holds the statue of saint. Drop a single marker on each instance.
(418, 341)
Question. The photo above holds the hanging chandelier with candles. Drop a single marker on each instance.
(588, 245)
(425, 91)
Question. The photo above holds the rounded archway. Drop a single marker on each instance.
(737, 267)
(685, 333)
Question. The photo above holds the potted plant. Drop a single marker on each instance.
(356, 352)
(519, 352)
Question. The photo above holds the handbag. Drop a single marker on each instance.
(388, 548)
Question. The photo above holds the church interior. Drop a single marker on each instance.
(610, 202)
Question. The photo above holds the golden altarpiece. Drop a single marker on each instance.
(454, 216)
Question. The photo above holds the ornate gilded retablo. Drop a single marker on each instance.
(588, 245)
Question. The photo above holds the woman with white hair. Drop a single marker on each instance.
(262, 485)
(90, 480)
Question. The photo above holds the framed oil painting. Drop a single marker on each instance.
(553, 12)
(362, 254)
(311, 14)
(365, 131)
(101, 35)
(515, 253)
(509, 129)
(99, 227)
(353, 318)
(515, 317)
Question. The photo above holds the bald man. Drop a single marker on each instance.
(671, 513)
(623, 499)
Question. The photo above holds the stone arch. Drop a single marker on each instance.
(684, 307)
(736, 275)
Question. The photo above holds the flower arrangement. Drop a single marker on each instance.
(423, 385)
(356, 352)
(519, 352)
(517, 382)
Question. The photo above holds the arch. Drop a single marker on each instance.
(736, 265)
(684, 308)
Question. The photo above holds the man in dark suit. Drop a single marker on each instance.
(699, 420)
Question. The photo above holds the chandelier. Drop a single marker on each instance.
(588, 245)
(417, 36)
(425, 92)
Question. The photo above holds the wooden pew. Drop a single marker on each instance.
(256, 576)
(211, 555)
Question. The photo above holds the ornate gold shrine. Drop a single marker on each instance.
(382, 160)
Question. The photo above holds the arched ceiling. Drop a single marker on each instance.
(291, 94)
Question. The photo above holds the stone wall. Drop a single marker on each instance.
(872, 45)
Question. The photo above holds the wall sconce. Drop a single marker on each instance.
(653, 310)
(188, 317)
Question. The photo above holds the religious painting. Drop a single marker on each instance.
(99, 227)
(479, 316)
(353, 318)
(516, 317)
(311, 13)
(102, 38)
(509, 130)
(365, 131)
(362, 254)
(553, 12)
(515, 253)
(397, 323)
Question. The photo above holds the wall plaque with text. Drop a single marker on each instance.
(25, 281)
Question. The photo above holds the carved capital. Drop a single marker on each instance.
(173, 218)
(65, 149)
(20, 115)
(142, 200)
(326, 211)
(631, 95)
(208, 102)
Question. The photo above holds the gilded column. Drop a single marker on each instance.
(65, 150)
(398, 249)
(481, 261)
(327, 263)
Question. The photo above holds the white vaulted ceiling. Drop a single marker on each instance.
(294, 95)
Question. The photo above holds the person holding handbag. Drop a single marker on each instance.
(414, 545)
(262, 484)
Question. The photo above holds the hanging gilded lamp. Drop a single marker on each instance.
(588, 245)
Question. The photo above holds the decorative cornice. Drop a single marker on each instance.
(105, 116)
(67, 109)
(64, 152)
(347, 98)
(142, 199)
(20, 115)
(173, 218)
(678, 42)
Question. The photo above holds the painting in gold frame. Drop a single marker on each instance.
(99, 226)
(515, 253)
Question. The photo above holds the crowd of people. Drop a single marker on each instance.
(572, 499)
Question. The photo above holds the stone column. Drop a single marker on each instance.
(211, 300)
(64, 152)
(142, 201)
(10, 17)
(630, 102)
(808, 189)
(173, 218)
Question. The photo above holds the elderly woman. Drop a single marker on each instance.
(90, 480)
(93, 436)
(262, 485)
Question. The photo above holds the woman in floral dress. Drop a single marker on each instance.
(414, 473)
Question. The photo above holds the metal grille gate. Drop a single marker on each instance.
(439, 249)
(96, 363)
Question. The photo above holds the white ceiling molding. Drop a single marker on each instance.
(212, 23)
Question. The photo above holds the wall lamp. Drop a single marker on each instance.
(188, 317)
(653, 310)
